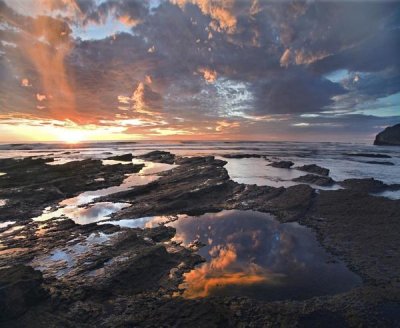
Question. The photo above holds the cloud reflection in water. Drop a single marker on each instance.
(251, 254)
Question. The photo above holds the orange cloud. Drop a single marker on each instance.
(300, 57)
(25, 83)
(222, 271)
(210, 76)
(285, 58)
(220, 12)
(46, 47)
(128, 21)
(222, 125)
(40, 97)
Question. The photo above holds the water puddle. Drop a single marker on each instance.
(87, 197)
(73, 207)
(84, 215)
(114, 162)
(63, 160)
(62, 261)
(6, 224)
(145, 222)
(257, 171)
(145, 176)
(11, 230)
(152, 167)
(251, 254)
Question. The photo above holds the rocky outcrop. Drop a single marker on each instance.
(20, 289)
(197, 185)
(282, 164)
(124, 158)
(240, 156)
(388, 137)
(315, 179)
(30, 184)
(367, 155)
(368, 185)
(315, 169)
(158, 156)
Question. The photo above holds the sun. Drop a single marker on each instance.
(71, 136)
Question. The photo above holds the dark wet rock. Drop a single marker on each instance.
(322, 318)
(30, 184)
(361, 229)
(160, 234)
(158, 156)
(240, 156)
(282, 164)
(389, 314)
(199, 161)
(368, 155)
(125, 157)
(313, 168)
(143, 273)
(380, 163)
(364, 185)
(197, 185)
(20, 289)
(388, 137)
(315, 179)
(292, 203)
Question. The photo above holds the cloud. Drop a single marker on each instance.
(219, 66)
(295, 91)
(44, 42)
(210, 76)
(25, 83)
(221, 13)
(129, 12)
(223, 125)
(40, 97)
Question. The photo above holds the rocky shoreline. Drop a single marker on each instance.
(130, 277)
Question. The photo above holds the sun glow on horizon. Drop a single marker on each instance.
(72, 136)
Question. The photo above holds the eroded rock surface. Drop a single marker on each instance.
(20, 290)
(30, 184)
(368, 185)
(240, 156)
(315, 179)
(315, 169)
(104, 275)
(282, 164)
(158, 156)
(125, 157)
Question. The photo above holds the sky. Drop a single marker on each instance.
(74, 70)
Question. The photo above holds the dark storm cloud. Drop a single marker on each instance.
(295, 91)
(375, 53)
